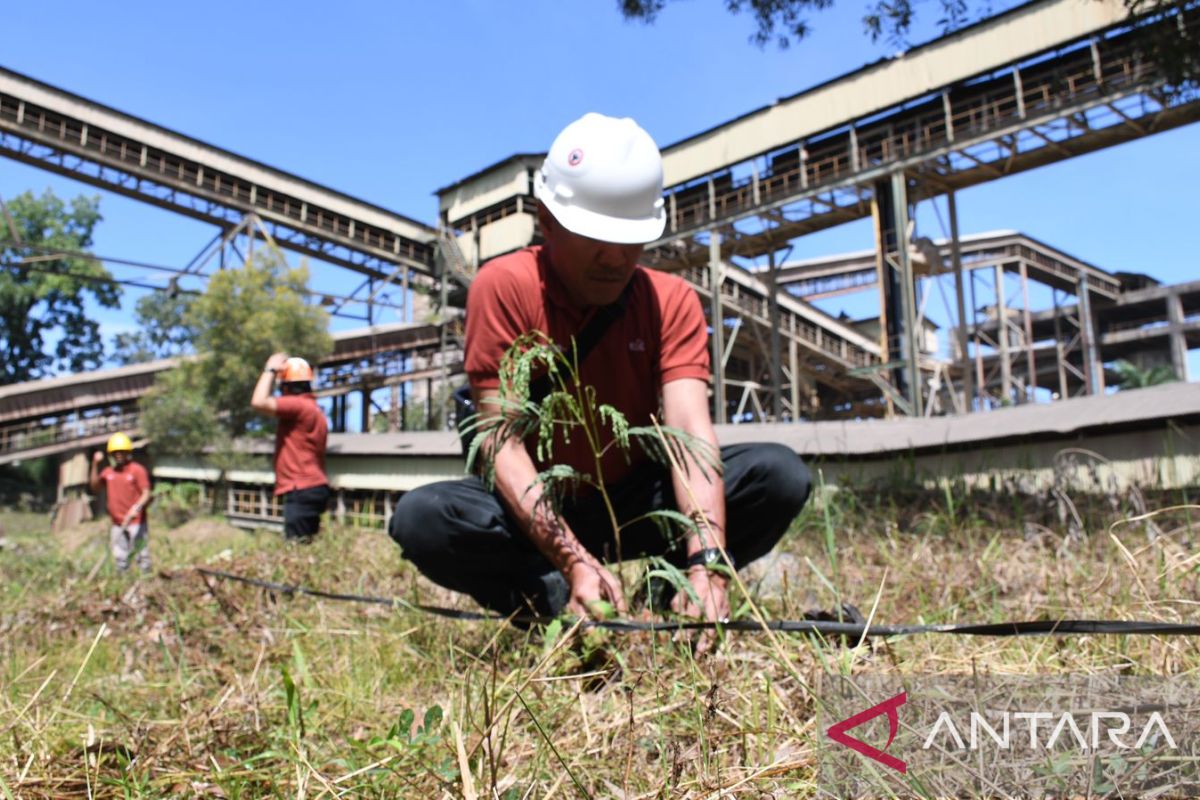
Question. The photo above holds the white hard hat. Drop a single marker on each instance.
(603, 179)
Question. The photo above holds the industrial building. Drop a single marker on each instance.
(1043, 82)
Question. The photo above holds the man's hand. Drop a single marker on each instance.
(276, 362)
(712, 592)
(97, 458)
(591, 582)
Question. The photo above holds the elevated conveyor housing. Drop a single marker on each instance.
(64, 133)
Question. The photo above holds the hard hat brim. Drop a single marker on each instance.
(602, 227)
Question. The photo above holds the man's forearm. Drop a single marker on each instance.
(550, 534)
(700, 495)
(262, 389)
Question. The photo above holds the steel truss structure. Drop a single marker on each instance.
(775, 356)
(1084, 95)
(72, 136)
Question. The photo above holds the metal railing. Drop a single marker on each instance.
(39, 433)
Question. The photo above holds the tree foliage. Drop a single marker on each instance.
(243, 316)
(163, 330)
(44, 323)
(1131, 376)
(785, 22)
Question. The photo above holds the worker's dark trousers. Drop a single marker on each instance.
(302, 510)
(459, 535)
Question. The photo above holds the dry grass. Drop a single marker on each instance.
(114, 686)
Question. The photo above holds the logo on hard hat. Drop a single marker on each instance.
(574, 157)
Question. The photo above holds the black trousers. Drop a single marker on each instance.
(302, 511)
(459, 535)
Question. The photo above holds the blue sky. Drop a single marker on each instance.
(389, 101)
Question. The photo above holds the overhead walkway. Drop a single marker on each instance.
(62, 414)
(73, 136)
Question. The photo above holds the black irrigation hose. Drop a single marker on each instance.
(1047, 627)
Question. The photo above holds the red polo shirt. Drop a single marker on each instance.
(661, 337)
(123, 486)
(299, 443)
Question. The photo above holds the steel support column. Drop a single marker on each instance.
(794, 363)
(964, 354)
(903, 339)
(776, 365)
(1002, 338)
(1031, 384)
(716, 276)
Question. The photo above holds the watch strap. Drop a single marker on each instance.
(708, 557)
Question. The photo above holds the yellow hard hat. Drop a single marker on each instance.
(119, 442)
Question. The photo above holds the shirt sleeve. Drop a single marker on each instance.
(141, 478)
(288, 407)
(497, 313)
(684, 350)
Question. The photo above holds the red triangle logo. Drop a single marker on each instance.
(838, 733)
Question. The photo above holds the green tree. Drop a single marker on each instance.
(44, 324)
(243, 316)
(1131, 376)
(163, 330)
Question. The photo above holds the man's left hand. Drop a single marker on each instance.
(711, 591)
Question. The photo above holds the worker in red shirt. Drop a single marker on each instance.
(600, 201)
(299, 443)
(127, 489)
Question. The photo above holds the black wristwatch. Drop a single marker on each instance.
(709, 557)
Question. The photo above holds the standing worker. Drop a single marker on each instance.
(600, 201)
(127, 488)
(299, 443)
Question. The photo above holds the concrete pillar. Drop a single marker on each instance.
(1179, 352)
(1093, 371)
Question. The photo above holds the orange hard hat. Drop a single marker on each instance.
(296, 369)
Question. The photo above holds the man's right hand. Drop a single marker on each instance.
(276, 362)
(97, 457)
(591, 582)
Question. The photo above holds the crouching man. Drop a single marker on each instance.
(600, 193)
